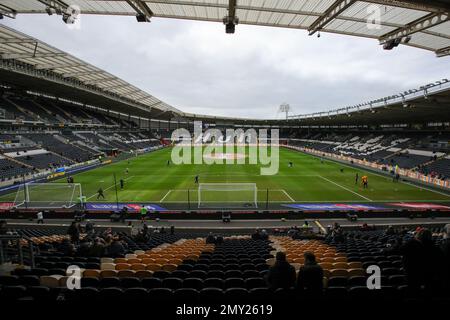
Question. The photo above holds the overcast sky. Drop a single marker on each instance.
(196, 67)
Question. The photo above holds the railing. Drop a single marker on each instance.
(17, 249)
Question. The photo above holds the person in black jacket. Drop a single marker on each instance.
(281, 274)
(445, 247)
(310, 275)
(74, 232)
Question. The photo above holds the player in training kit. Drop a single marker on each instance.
(100, 194)
(196, 179)
(127, 170)
(356, 178)
(122, 183)
(365, 182)
(291, 164)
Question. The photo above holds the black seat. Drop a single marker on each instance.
(236, 294)
(135, 294)
(356, 281)
(213, 283)
(337, 282)
(111, 294)
(233, 274)
(90, 282)
(160, 294)
(250, 274)
(182, 274)
(397, 280)
(9, 280)
(198, 274)
(29, 281)
(216, 274)
(186, 294)
(12, 293)
(194, 283)
(130, 282)
(234, 283)
(211, 295)
(151, 283)
(39, 293)
(253, 283)
(110, 282)
(161, 274)
(172, 283)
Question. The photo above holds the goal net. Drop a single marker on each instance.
(48, 195)
(227, 195)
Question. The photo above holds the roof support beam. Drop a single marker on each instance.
(329, 15)
(57, 66)
(58, 5)
(17, 40)
(443, 52)
(426, 22)
(81, 73)
(6, 11)
(12, 55)
(142, 10)
(98, 81)
(423, 5)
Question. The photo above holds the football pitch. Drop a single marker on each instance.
(151, 180)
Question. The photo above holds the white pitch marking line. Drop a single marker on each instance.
(345, 188)
(287, 194)
(168, 192)
(108, 188)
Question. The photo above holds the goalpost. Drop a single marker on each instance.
(227, 195)
(48, 195)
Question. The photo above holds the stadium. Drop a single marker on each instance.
(108, 193)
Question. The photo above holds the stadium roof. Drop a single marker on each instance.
(17, 46)
(418, 23)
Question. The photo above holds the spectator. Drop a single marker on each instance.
(310, 275)
(116, 249)
(210, 238)
(40, 217)
(445, 247)
(74, 232)
(422, 261)
(172, 230)
(281, 274)
(89, 228)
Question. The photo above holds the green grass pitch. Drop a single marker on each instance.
(151, 180)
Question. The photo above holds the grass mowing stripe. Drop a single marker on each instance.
(345, 188)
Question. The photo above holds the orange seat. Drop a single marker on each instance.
(134, 260)
(138, 266)
(340, 259)
(355, 265)
(175, 261)
(125, 273)
(143, 256)
(123, 266)
(327, 260)
(326, 265)
(357, 272)
(91, 273)
(120, 260)
(340, 265)
(161, 261)
(108, 273)
(153, 267)
(169, 267)
(148, 260)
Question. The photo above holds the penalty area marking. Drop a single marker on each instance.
(287, 194)
(165, 196)
(108, 188)
(345, 188)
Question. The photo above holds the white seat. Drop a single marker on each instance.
(106, 260)
(130, 256)
(108, 266)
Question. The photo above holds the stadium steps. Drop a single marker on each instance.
(430, 162)
(16, 161)
(26, 112)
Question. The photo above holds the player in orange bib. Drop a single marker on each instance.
(365, 182)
